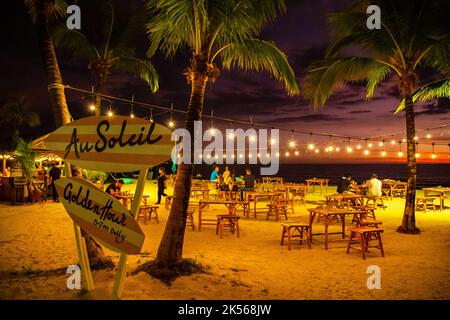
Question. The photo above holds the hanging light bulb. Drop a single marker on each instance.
(277, 154)
(416, 138)
(392, 141)
(311, 146)
(433, 155)
(358, 147)
(381, 143)
(92, 107)
(383, 153)
(151, 115)
(287, 154)
(429, 136)
(366, 152)
(110, 113)
(349, 149)
(273, 141)
(417, 155)
(400, 154)
(292, 144)
(171, 124)
(338, 149)
(297, 153)
(317, 151)
(231, 135)
(252, 138)
(370, 145)
(403, 140)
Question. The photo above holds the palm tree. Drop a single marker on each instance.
(414, 34)
(108, 48)
(19, 114)
(42, 13)
(24, 157)
(210, 30)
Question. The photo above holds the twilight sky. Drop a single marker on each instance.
(302, 33)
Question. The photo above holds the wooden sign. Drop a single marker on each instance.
(114, 144)
(100, 215)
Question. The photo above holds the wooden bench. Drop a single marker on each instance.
(227, 221)
(275, 209)
(148, 212)
(372, 223)
(425, 202)
(287, 202)
(291, 231)
(366, 237)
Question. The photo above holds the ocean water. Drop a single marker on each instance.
(427, 174)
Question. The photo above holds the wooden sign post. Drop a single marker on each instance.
(113, 144)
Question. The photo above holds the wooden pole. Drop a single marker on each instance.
(122, 266)
(88, 282)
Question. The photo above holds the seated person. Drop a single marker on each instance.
(228, 183)
(344, 184)
(374, 186)
(114, 188)
(249, 183)
(215, 175)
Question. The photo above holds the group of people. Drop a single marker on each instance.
(227, 181)
(373, 185)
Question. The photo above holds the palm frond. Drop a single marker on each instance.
(256, 55)
(324, 76)
(375, 77)
(78, 44)
(24, 156)
(142, 68)
(57, 9)
(434, 90)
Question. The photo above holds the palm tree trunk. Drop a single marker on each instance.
(97, 100)
(171, 247)
(54, 80)
(409, 217)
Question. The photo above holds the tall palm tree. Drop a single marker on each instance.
(42, 13)
(215, 34)
(19, 114)
(108, 47)
(414, 34)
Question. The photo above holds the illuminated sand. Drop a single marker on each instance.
(255, 266)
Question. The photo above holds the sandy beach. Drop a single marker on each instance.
(37, 245)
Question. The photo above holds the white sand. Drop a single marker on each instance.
(40, 238)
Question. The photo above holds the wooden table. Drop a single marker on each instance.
(320, 182)
(330, 215)
(338, 198)
(203, 190)
(438, 191)
(252, 196)
(299, 187)
(203, 203)
(390, 186)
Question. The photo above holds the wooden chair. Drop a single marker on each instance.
(288, 203)
(425, 202)
(148, 212)
(275, 209)
(297, 230)
(366, 237)
(227, 221)
(190, 216)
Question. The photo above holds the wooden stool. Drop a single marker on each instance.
(227, 221)
(424, 203)
(369, 211)
(190, 217)
(371, 223)
(301, 229)
(276, 209)
(168, 202)
(375, 200)
(365, 237)
(146, 212)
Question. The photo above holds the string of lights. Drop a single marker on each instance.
(346, 143)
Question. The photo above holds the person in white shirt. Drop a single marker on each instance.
(374, 187)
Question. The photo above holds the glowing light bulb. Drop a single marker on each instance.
(338, 149)
(110, 114)
(277, 154)
(366, 152)
(433, 156)
(292, 144)
(268, 155)
(349, 149)
(380, 144)
(252, 138)
(259, 155)
(232, 156)
(250, 156)
(429, 136)
(400, 154)
(241, 155)
(317, 151)
(383, 153)
(131, 115)
(171, 124)
(273, 141)
(417, 155)
(92, 107)
(231, 136)
(392, 141)
(297, 153)
(403, 140)
(370, 145)
(358, 147)
(330, 148)
(416, 138)
(287, 154)
(212, 131)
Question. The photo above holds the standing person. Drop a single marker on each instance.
(249, 183)
(161, 184)
(344, 183)
(54, 174)
(374, 186)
